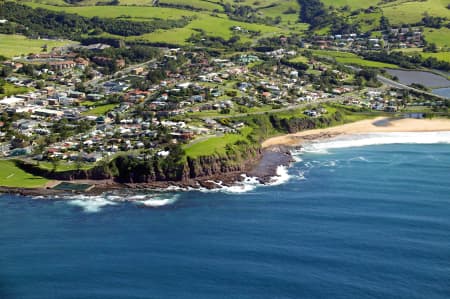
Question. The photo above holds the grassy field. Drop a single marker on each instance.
(279, 10)
(10, 89)
(352, 3)
(365, 63)
(12, 176)
(409, 12)
(441, 37)
(64, 166)
(16, 45)
(444, 56)
(352, 59)
(133, 12)
(198, 4)
(211, 146)
(218, 25)
(299, 59)
(100, 110)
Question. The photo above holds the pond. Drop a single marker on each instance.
(445, 92)
(425, 78)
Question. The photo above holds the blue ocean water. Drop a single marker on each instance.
(361, 222)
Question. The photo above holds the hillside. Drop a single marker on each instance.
(222, 23)
(268, 17)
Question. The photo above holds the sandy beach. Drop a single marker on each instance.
(364, 126)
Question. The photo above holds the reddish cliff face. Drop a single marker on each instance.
(204, 167)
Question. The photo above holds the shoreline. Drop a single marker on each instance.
(385, 125)
(276, 151)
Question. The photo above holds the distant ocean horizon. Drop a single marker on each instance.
(361, 216)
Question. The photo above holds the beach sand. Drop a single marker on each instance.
(364, 126)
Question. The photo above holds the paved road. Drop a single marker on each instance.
(291, 107)
(399, 85)
(127, 70)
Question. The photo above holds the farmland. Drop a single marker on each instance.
(412, 12)
(217, 25)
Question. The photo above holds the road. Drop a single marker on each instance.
(291, 107)
(127, 70)
(399, 85)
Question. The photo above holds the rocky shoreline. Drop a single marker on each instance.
(264, 170)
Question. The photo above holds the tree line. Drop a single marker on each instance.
(35, 22)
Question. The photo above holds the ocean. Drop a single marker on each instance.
(356, 217)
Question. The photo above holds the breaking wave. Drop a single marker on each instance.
(159, 202)
(250, 183)
(91, 204)
(95, 203)
(358, 140)
(281, 177)
(246, 185)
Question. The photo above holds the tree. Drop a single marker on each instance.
(384, 24)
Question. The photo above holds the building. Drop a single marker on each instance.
(62, 65)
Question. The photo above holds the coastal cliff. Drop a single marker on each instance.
(132, 170)
(236, 160)
(245, 156)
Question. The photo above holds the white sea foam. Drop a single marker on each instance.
(91, 204)
(301, 175)
(156, 202)
(281, 177)
(358, 140)
(246, 185)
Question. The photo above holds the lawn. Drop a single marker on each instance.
(64, 166)
(299, 59)
(13, 176)
(16, 45)
(211, 146)
(10, 89)
(100, 110)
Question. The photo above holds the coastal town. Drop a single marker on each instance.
(104, 103)
(80, 106)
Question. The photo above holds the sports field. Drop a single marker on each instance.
(16, 45)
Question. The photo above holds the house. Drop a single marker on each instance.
(137, 71)
(81, 63)
(62, 65)
(12, 102)
(94, 96)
